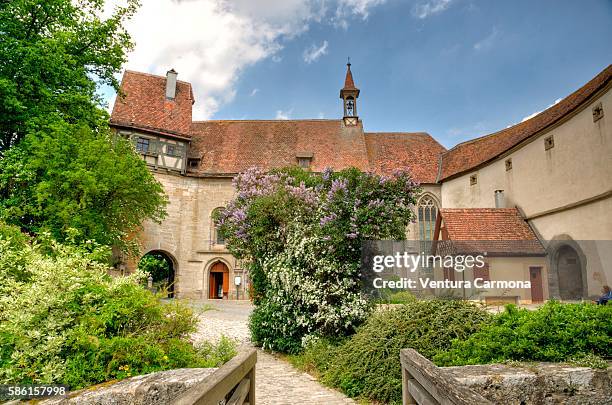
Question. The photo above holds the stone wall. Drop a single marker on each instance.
(187, 234)
(537, 383)
(149, 389)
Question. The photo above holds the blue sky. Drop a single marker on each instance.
(456, 69)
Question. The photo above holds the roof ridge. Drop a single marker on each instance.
(270, 120)
(397, 133)
(153, 75)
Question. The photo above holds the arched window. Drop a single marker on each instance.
(217, 238)
(428, 212)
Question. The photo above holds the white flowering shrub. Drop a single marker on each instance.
(301, 232)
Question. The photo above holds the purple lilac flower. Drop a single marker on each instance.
(328, 218)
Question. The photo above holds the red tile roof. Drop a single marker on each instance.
(228, 147)
(234, 146)
(144, 105)
(494, 230)
(418, 152)
(468, 155)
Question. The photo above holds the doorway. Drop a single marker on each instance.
(535, 277)
(218, 281)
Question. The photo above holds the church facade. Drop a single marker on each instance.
(547, 180)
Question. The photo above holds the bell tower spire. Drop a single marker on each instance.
(349, 94)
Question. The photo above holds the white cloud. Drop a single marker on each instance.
(210, 42)
(313, 53)
(428, 8)
(254, 91)
(537, 112)
(283, 115)
(488, 41)
(346, 9)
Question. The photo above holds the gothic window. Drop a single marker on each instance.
(427, 217)
(217, 237)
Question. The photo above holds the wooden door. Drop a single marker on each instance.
(212, 286)
(226, 284)
(219, 269)
(537, 292)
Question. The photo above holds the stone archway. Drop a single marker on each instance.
(567, 263)
(162, 267)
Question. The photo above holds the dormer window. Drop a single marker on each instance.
(304, 159)
(304, 163)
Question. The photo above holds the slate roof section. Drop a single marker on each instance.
(418, 152)
(471, 154)
(497, 231)
(144, 105)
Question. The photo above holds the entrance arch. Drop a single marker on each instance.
(218, 281)
(161, 265)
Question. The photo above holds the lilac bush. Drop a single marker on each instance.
(301, 232)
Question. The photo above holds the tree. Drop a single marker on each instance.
(78, 184)
(61, 168)
(301, 233)
(53, 53)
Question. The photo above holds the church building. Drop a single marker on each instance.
(545, 182)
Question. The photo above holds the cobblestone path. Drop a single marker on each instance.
(278, 383)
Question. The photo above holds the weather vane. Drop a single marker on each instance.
(349, 61)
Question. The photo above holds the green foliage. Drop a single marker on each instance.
(78, 185)
(61, 169)
(555, 332)
(52, 54)
(315, 359)
(156, 265)
(367, 364)
(67, 321)
(588, 360)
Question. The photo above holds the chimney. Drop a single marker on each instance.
(171, 84)
(499, 199)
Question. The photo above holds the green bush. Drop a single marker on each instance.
(65, 320)
(367, 364)
(555, 332)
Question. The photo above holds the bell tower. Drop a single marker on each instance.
(349, 94)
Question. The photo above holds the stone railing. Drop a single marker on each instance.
(232, 384)
(424, 383)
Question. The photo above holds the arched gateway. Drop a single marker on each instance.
(161, 266)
